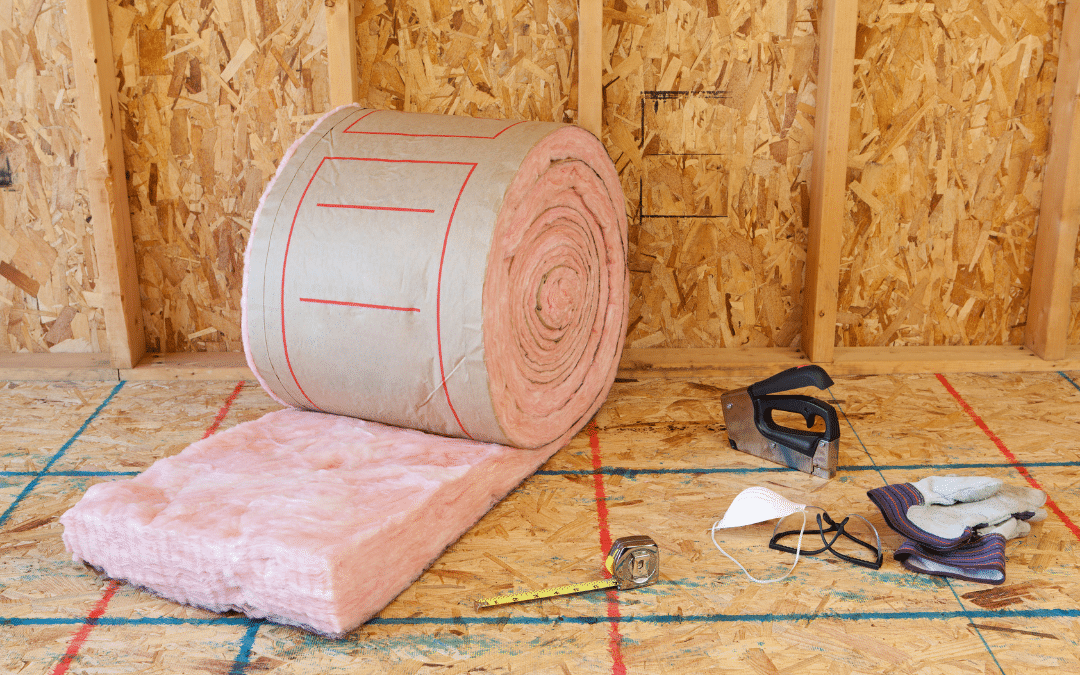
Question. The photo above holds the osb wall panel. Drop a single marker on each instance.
(496, 58)
(213, 93)
(709, 116)
(949, 134)
(47, 271)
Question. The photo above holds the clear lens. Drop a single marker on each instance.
(859, 540)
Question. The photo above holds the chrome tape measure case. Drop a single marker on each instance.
(633, 562)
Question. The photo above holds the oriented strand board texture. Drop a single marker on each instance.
(715, 160)
(213, 94)
(949, 134)
(655, 462)
(496, 59)
(47, 268)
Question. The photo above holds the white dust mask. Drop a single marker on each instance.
(756, 505)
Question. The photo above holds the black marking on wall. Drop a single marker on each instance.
(6, 179)
(657, 96)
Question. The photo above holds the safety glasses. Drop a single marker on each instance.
(830, 536)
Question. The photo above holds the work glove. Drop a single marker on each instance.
(982, 561)
(946, 512)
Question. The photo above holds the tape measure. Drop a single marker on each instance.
(632, 561)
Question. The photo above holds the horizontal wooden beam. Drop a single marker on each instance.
(636, 363)
(190, 366)
(846, 361)
(57, 367)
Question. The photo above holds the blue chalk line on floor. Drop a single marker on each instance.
(253, 625)
(58, 454)
(735, 618)
(68, 474)
(1070, 380)
(243, 656)
(627, 472)
(125, 621)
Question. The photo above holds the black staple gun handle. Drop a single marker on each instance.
(792, 378)
(803, 441)
(748, 415)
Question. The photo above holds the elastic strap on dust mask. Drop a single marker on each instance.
(798, 547)
(756, 505)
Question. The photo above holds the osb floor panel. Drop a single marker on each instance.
(655, 461)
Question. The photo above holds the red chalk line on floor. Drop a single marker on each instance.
(212, 429)
(618, 666)
(1050, 503)
(84, 632)
(99, 609)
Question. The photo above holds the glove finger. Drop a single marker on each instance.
(1040, 514)
(1024, 498)
(997, 519)
(947, 490)
(952, 523)
(1011, 501)
(1010, 529)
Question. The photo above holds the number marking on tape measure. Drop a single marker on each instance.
(569, 589)
(633, 562)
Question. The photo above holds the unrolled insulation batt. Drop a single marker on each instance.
(462, 277)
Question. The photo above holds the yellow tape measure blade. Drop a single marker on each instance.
(525, 596)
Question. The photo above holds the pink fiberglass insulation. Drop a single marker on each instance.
(304, 518)
(462, 277)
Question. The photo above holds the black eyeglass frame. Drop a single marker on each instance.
(839, 529)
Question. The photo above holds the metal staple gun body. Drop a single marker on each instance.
(748, 414)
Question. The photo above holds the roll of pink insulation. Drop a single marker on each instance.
(461, 276)
(420, 273)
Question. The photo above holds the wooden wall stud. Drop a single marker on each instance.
(341, 52)
(590, 64)
(1049, 304)
(103, 161)
(828, 180)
